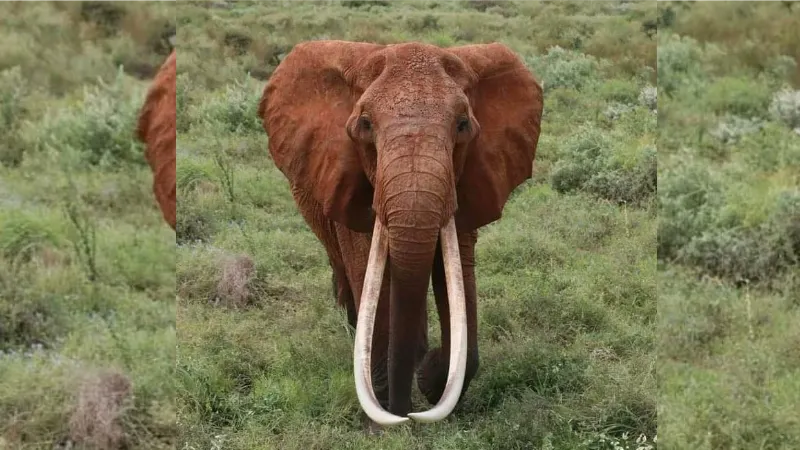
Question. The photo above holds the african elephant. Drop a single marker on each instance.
(430, 142)
(156, 128)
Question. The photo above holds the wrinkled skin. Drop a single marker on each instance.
(156, 128)
(408, 134)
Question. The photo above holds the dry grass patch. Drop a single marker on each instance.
(233, 288)
(102, 402)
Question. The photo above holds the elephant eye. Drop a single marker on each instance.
(463, 125)
(364, 123)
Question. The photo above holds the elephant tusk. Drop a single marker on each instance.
(458, 329)
(362, 352)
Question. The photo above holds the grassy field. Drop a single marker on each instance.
(566, 280)
(87, 312)
(729, 231)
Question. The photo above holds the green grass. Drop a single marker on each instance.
(566, 279)
(86, 261)
(729, 242)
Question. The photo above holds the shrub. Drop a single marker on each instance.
(589, 164)
(739, 96)
(233, 108)
(785, 107)
(619, 91)
(99, 130)
(648, 97)
(560, 68)
(678, 63)
(689, 201)
(750, 254)
(731, 129)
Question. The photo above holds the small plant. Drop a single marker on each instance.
(85, 243)
(226, 176)
(13, 89)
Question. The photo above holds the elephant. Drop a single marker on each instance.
(396, 155)
(156, 128)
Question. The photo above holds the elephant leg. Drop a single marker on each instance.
(326, 232)
(355, 253)
(344, 294)
(432, 373)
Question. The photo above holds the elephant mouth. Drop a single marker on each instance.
(362, 353)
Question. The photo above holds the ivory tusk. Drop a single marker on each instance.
(458, 328)
(362, 352)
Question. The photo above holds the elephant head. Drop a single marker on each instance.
(412, 142)
(156, 128)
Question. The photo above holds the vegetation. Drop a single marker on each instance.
(566, 279)
(729, 230)
(87, 319)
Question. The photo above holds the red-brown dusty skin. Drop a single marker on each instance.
(412, 135)
(156, 128)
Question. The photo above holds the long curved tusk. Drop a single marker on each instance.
(362, 352)
(458, 329)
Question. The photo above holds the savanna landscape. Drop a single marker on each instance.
(566, 279)
(87, 281)
(729, 225)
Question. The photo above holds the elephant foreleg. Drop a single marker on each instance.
(344, 294)
(432, 373)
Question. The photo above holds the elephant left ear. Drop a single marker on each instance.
(506, 100)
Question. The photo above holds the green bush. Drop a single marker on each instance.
(785, 108)
(99, 130)
(589, 164)
(737, 95)
(232, 109)
(561, 68)
(678, 63)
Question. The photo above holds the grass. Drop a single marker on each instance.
(87, 319)
(729, 209)
(566, 279)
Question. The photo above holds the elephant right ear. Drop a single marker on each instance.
(304, 109)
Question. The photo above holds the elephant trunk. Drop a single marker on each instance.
(415, 201)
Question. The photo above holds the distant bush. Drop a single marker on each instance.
(234, 108)
(560, 68)
(731, 129)
(99, 130)
(678, 62)
(750, 254)
(648, 97)
(589, 164)
(737, 95)
(689, 201)
(707, 222)
(785, 107)
(620, 91)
